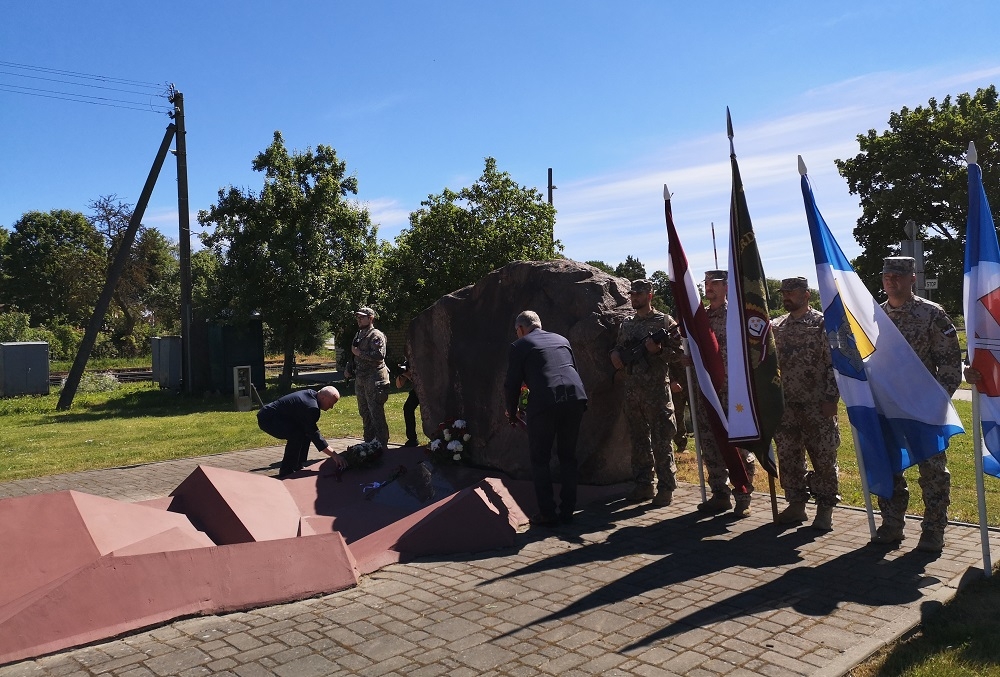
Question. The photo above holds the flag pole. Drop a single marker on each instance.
(977, 452)
(715, 252)
(774, 493)
(692, 399)
(864, 483)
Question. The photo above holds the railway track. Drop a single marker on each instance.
(131, 375)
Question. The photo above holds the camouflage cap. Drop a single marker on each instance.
(365, 311)
(793, 283)
(720, 275)
(644, 286)
(899, 265)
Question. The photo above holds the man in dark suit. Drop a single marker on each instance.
(544, 362)
(294, 418)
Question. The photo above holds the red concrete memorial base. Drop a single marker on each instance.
(79, 568)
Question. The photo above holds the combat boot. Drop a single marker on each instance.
(793, 514)
(663, 498)
(742, 508)
(641, 492)
(888, 535)
(715, 505)
(931, 540)
(824, 518)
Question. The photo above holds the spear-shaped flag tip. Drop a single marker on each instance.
(666, 193)
(729, 124)
(972, 156)
(802, 167)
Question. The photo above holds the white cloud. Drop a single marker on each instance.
(608, 217)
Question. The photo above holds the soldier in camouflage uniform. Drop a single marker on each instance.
(931, 334)
(372, 375)
(716, 286)
(809, 423)
(648, 407)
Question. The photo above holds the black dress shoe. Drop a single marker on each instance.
(541, 520)
(411, 443)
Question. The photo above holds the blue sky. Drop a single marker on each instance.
(618, 98)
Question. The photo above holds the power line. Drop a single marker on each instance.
(77, 84)
(84, 82)
(107, 102)
(84, 76)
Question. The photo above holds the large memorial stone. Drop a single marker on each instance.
(458, 352)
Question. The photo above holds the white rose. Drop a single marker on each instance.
(447, 434)
(459, 423)
(456, 457)
(454, 445)
(466, 437)
(435, 445)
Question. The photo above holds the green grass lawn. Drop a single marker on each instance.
(138, 423)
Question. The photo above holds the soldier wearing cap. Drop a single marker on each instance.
(809, 422)
(931, 334)
(372, 375)
(648, 406)
(716, 288)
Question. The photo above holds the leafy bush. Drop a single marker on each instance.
(96, 382)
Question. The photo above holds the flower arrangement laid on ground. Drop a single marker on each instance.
(451, 442)
(364, 455)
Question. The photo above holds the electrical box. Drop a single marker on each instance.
(24, 368)
(243, 388)
(167, 361)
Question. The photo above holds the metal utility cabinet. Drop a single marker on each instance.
(24, 368)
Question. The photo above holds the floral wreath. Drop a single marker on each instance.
(450, 444)
(364, 455)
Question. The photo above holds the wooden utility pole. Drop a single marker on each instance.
(184, 236)
(114, 273)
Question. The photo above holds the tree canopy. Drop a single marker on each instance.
(54, 264)
(296, 252)
(456, 238)
(917, 170)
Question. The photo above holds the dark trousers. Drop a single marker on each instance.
(560, 424)
(296, 444)
(410, 416)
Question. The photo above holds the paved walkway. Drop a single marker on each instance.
(624, 590)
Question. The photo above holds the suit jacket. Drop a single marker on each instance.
(544, 362)
(295, 415)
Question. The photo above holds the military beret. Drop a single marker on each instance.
(793, 283)
(720, 275)
(899, 265)
(365, 311)
(642, 286)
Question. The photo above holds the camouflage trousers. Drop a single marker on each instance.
(805, 431)
(711, 454)
(650, 417)
(372, 397)
(935, 485)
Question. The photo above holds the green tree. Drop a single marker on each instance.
(917, 170)
(663, 293)
(601, 265)
(54, 266)
(294, 251)
(455, 239)
(631, 269)
(151, 261)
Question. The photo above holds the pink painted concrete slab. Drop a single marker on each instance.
(49, 535)
(166, 541)
(112, 595)
(236, 507)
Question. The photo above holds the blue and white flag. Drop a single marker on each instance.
(981, 304)
(902, 415)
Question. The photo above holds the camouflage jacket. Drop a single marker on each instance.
(371, 362)
(651, 368)
(931, 333)
(804, 359)
(717, 320)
